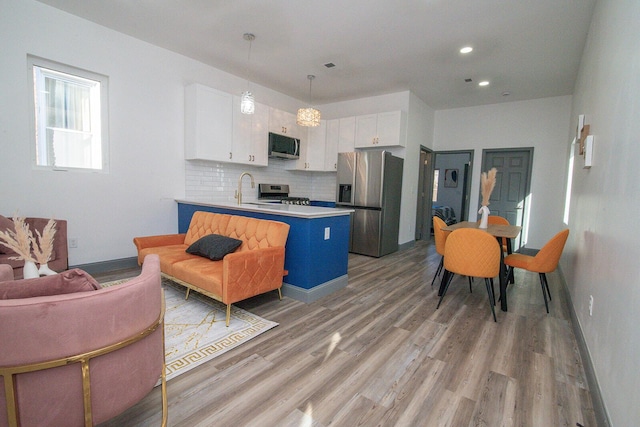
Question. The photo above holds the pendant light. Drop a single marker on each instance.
(308, 116)
(247, 102)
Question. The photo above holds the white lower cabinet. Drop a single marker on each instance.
(250, 135)
(208, 124)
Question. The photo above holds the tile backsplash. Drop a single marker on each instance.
(212, 181)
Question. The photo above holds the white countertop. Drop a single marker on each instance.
(300, 211)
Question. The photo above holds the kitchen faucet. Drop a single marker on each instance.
(239, 190)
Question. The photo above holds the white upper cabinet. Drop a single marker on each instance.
(284, 123)
(312, 150)
(250, 135)
(331, 148)
(381, 130)
(347, 136)
(366, 130)
(208, 124)
(318, 152)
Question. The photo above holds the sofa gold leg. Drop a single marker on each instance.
(228, 313)
(280, 293)
(186, 296)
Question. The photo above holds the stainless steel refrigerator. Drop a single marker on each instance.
(371, 183)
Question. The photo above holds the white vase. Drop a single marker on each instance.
(485, 217)
(30, 270)
(44, 270)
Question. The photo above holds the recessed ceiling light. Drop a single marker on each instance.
(329, 65)
(466, 49)
(468, 80)
(484, 83)
(506, 93)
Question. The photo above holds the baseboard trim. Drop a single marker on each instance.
(108, 266)
(310, 295)
(406, 245)
(599, 409)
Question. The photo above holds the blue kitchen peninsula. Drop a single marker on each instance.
(317, 249)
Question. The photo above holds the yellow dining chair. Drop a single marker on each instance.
(474, 253)
(545, 261)
(496, 219)
(440, 236)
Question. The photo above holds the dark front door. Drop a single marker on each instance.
(509, 197)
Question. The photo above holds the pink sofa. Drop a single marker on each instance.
(116, 332)
(59, 257)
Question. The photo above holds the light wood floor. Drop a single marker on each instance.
(378, 353)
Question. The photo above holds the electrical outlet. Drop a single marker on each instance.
(73, 242)
(327, 233)
(590, 305)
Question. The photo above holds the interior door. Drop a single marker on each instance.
(454, 196)
(425, 193)
(509, 197)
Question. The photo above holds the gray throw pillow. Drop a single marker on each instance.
(214, 246)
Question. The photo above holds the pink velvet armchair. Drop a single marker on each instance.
(79, 358)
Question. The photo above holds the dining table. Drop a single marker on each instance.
(500, 232)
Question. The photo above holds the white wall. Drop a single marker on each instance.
(540, 123)
(146, 113)
(601, 258)
(420, 119)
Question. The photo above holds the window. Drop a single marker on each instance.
(70, 117)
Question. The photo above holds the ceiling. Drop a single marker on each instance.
(526, 48)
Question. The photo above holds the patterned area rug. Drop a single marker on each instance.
(195, 330)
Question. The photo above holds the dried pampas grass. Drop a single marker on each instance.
(44, 248)
(487, 182)
(22, 241)
(19, 240)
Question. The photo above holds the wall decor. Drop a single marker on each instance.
(451, 177)
(588, 151)
(580, 126)
(583, 136)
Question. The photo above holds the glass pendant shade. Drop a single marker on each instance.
(308, 117)
(247, 103)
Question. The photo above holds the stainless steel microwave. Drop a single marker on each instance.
(283, 147)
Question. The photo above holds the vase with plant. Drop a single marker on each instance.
(22, 241)
(487, 183)
(44, 248)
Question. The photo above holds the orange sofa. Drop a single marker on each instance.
(256, 267)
